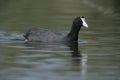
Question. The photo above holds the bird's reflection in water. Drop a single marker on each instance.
(76, 53)
(73, 46)
(77, 56)
(79, 59)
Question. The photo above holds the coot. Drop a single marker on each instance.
(44, 35)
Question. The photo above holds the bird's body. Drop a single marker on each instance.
(39, 34)
(44, 35)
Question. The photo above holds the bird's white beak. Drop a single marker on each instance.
(84, 22)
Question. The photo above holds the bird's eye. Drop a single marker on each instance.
(82, 17)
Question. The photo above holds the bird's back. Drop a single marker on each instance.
(44, 35)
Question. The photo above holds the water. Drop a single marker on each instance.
(94, 57)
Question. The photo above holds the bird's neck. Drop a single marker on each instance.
(73, 34)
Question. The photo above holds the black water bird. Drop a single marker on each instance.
(44, 35)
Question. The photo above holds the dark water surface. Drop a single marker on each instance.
(95, 57)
